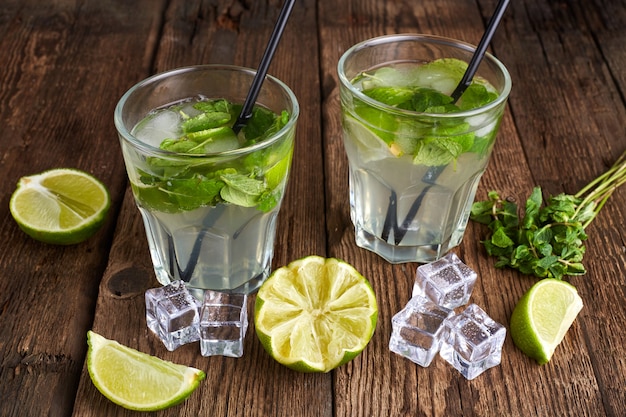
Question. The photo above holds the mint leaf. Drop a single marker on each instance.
(500, 239)
(436, 152)
(391, 96)
(180, 145)
(268, 200)
(441, 150)
(205, 121)
(262, 124)
(476, 95)
(423, 100)
(191, 193)
(428, 100)
(219, 105)
(241, 190)
(174, 195)
(482, 144)
(533, 204)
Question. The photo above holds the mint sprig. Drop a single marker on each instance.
(547, 241)
(183, 184)
(241, 190)
(430, 142)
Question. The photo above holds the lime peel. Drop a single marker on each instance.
(543, 316)
(315, 314)
(61, 206)
(136, 380)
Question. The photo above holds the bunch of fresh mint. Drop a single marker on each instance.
(186, 183)
(547, 241)
(431, 142)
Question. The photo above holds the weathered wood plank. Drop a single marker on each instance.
(64, 66)
(572, 129)
(229, 33)
(55, 112)
(576, 374)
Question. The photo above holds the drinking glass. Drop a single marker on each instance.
(226, 245)
(414, 175)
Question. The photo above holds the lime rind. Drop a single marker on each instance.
(60, 206)
(136, 380)
(542, 317)
(315, 314)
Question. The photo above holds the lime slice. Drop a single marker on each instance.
(276, 173)
(315, 314)
(136, 380)
(61, 206)
(542, 317)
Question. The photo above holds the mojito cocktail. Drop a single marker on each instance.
(209, 196)
(415, 154)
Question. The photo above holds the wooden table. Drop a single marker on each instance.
(64, 65)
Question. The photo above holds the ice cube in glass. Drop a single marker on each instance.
(223, 323)
(172, 314)
(474, 342)
(418, 330)
(448, 282)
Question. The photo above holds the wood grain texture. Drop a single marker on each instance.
(54, 112)
(254, 385)
(534, 143)
(65, 64)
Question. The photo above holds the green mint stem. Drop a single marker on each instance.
(548, 240)
(598, 191)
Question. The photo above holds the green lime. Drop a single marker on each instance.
(372, 143)
(276, 173)
(61, 206)
(542, 317)
(315, 314)
(136, 380)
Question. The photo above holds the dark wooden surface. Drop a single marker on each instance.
(63, 66)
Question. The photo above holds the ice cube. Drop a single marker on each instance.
(223, 143)
(474, 342)
(447, 282)
(418, 330)
(172, 314)
(162, 125)
(223, 323)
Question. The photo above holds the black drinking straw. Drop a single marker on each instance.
(257, 82)
(479, 53)
(246, 113)
(391, 220)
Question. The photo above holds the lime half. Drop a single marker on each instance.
(542, 317)
(61, 206)
(136, 380)
(315, 314)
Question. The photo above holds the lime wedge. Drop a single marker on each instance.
(362, 140)
(315, 314)
(61, 206)
(542, 317)
(136, 380)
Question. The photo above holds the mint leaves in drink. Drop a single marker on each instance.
(547, 240)
(425, 89)
(195, 175)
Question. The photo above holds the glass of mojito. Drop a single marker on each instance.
(415, 154)
(209, 196)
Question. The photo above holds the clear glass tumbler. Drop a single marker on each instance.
(210, 218)
(414, 174)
